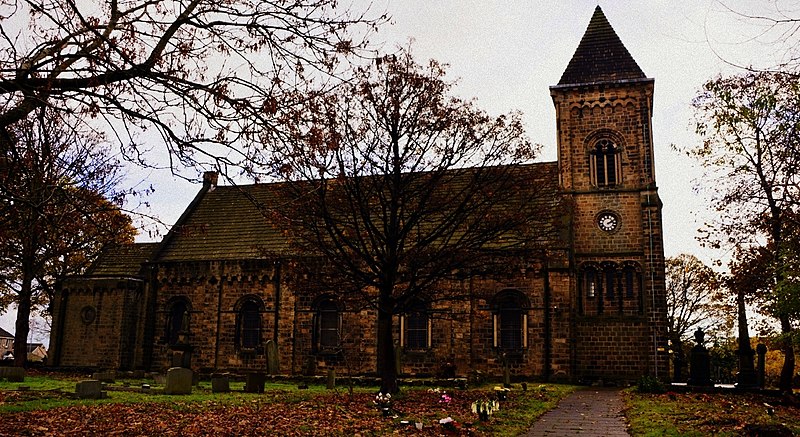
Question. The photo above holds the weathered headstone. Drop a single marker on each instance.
(331, 384)
(254, 382)
(107, 377)
(761, 350)
(699, 362)
(220, 383)
(179, 381)
(272, 357)
(89, 389)
(13, 374)
(138, 374)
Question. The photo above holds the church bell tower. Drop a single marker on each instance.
(604, 105)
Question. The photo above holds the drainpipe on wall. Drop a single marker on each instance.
(277, 284)
(548, 321)
(219, 316)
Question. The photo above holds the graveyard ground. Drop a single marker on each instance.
(48, 407)
(704, 414)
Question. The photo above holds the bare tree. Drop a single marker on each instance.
(60, 208)
(393, 188)
(206, 76)
(749, 124)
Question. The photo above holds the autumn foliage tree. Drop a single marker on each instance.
(749, 124)
(205, 77)
(393, 187)
(59, 208)
(693, 300)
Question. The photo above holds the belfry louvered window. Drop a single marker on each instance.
(605, 163)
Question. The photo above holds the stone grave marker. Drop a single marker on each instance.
(89, 389)
(13, 374)
(107, 377)
(254, 383)
(272, 357)
(220, 383)
(179, 381)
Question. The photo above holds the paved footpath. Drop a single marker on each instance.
(589, 412)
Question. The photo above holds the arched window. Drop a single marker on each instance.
(510, 320)
(248, 323)
(327, 324)
(415, 328)
(178, 320)
(604, 164)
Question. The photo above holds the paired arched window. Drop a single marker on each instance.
(610, 288)
(604, 164)
(178, 321)
(248, 322)
(327, 324)
(510, 320)
(415, 327)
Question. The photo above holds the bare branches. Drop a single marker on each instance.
(207, 76)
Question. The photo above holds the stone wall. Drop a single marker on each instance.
(97, 323)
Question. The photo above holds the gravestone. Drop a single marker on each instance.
(179, 381)
(13, 374)
(220, 383)
(272, 357)
(331, 384)
(761, 350)
(89, 389)
(254, 382)
(138, 374)
(107, 377)
(699, 362)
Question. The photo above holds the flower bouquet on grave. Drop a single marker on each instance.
(383, 401)
(484, 408)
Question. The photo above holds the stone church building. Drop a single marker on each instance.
(593, 308)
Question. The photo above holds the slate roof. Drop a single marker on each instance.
(5, 334)
(225, 223)
(600, 56)
(125, 260)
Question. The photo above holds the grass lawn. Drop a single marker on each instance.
(701, 414)
(48, 409)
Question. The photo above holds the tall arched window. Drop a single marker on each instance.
(248, 323)
(178, 319)
(604, 164)
(415, 327)
(327, 324)
(510, 320)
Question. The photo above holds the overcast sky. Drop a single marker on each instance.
(506, 54)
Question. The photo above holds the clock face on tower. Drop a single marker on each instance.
(608, 221)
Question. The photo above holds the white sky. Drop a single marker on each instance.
(506, 53)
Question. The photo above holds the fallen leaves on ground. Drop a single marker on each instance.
(271, 414)
(710, 413)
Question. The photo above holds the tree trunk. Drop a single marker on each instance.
(23, 322)
(787, 372)
(386, 362)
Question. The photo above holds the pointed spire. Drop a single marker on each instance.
(600, 56)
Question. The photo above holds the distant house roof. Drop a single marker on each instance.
(5, 334)
(124, 260)
(226, 223)
(600, 56)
